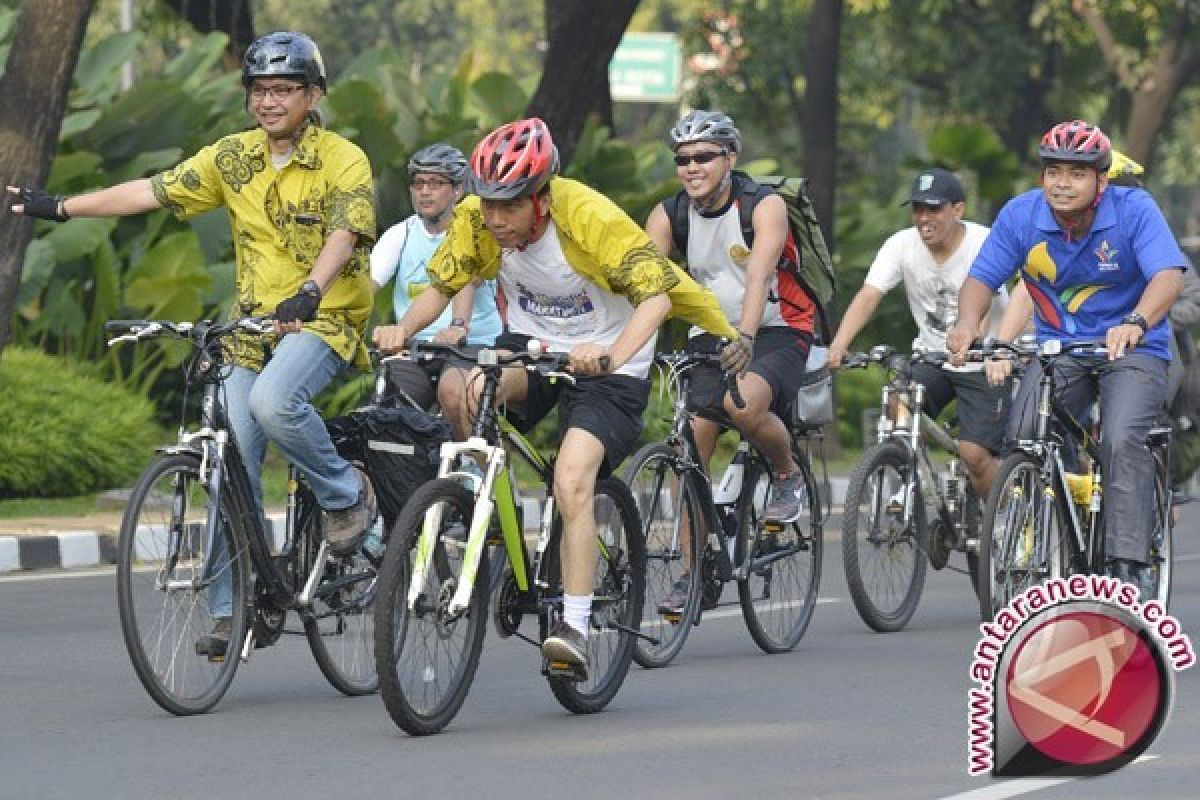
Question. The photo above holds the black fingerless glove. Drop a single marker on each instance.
(300, 307)
(42, 205)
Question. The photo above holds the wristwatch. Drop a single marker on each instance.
(310, 287)
(459, 322)
(1134, 318)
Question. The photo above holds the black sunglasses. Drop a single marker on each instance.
(700, 158)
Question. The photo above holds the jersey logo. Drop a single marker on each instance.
(1106, 257)
(540, 304)
(740, 254)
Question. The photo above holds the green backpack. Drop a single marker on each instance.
(814, 273)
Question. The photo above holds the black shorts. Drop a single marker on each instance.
(982, 408)
(609, 407)
(410, 383)
(780, 355)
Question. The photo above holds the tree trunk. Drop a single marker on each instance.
(1028, 118)
(821, 111)
(574, 79)
(232, 17)
(1154, 90)
(820, 135)
(33, 96)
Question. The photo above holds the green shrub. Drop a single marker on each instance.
(64, 431)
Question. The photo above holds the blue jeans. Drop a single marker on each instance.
(276, 405)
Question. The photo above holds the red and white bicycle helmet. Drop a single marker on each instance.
(1079, 142)
(515, 160)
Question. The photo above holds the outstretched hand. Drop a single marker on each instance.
(39, 204)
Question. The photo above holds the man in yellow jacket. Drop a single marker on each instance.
(581, 276)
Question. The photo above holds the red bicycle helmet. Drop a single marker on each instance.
(1079, 142)
(515, 160)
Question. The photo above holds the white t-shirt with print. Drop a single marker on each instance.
(549, 300)
(932, 288)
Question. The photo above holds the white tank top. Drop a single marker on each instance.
(717, 257)
(549, 300)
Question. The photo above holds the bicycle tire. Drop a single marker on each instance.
(777, 620)
(899, 551)
(619, 592)
(1162, 537)
(1007, 566)
(407, 668)
(161, 641)
(340, 625)
(661, 493)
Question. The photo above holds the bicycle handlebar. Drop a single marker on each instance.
(536, 358)
(139, 329)
(682, 360)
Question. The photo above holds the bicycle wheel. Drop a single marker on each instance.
(340, 626)
(974, 521)
(671, 523)
(779, 592)
(1021, 540)
(426, 657)
(616, 604)
(884, 558)
(1162, 536)
(166, 603)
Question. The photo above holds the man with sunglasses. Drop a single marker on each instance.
(301, 206)
(436, 176)
(773, 316)
(932, 259)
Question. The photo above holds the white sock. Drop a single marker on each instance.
(577, 609)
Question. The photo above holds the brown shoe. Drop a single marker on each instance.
(345, 529)
(216, 643)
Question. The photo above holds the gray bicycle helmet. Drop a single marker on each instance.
(706, 126)
(284, 54)
(439, 159)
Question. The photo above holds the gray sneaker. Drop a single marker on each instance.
(787, 499)
(565, 645)
(674, 603)
(215, 643)
(345, 529)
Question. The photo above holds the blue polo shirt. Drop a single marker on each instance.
(1082, 288)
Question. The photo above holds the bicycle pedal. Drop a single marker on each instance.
(772, 526)
(674, 619)
(564, 669)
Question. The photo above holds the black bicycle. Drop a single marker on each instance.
(193, 542)
(1043, 522)
(699, 538)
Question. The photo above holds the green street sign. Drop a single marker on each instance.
(646, 68)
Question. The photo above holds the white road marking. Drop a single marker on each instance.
(1002, 789)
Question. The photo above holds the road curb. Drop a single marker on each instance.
(82, 548)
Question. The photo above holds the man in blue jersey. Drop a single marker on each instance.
(436, 174)
(1100, 264)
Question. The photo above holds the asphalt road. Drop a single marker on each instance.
(849, 714)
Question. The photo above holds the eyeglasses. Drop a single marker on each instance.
(703, 157)
(428, 183)
(280, 92)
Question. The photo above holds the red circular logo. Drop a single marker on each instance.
(1083, 688)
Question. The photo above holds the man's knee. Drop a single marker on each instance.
(574, 486)
(270, 408)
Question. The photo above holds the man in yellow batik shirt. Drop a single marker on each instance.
(300, 203)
